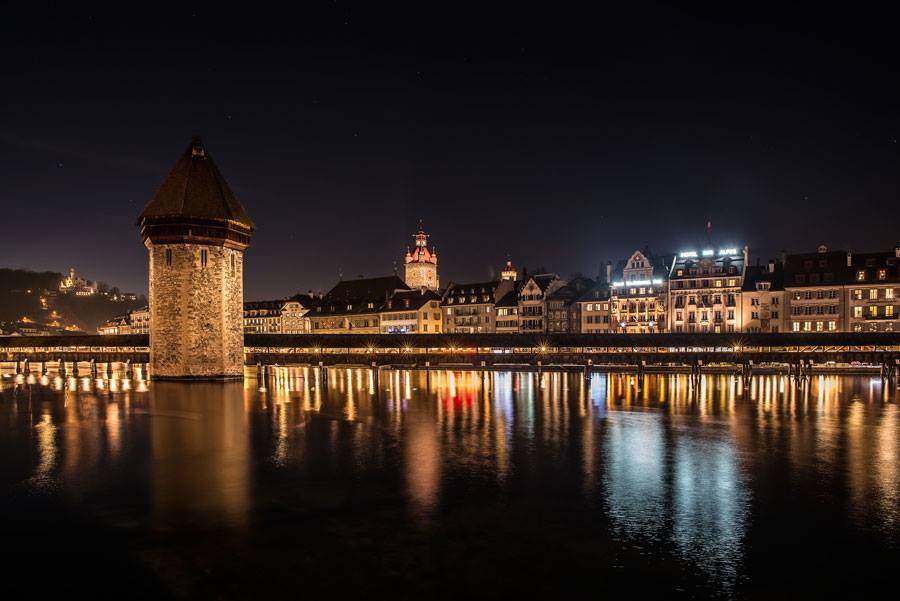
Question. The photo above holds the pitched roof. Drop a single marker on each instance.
(196, 189)
(872, 263)
(544, 279)
(510, 299)
(404, 300)
(815, 269)
(477, 293)
(761, 273)
(354, 296)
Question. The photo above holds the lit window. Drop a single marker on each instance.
(889, 311)
(873, 311)
(718, 283)
(873, 294)
(882, 274)
(857, 311)
(860, 275)
(732, 282)
(889, 293)
(795, 326)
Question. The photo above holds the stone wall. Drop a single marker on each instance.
(196, 312)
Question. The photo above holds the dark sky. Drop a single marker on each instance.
(560, 136)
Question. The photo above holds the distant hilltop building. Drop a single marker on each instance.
(421, 264)
(196, 232)
(73, 284)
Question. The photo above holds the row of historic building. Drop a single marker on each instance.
(703, 290)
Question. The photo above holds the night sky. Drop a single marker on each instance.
(560, 137)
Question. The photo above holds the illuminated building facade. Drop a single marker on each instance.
(287, 316)
(421, 264)
(638, 294)
(593, 311)
(508, 312)
(533, 297)
(762, 298)
(412, 312)
(471, 308)
(705, 290)
(872, 295)
(196, 232)
(814, 290)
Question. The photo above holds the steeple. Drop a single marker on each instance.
(421, 263)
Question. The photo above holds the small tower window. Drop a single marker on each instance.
(168, 257)
(203, 257)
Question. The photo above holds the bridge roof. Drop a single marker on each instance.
(196, 189)
(8, 342)
(571, 340)
(490, 340)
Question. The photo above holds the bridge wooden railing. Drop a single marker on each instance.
(492, 349)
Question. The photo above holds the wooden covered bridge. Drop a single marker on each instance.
(495, 350)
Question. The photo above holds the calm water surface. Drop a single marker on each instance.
(446, 484)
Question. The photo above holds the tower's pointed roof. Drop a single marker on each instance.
(195, 189)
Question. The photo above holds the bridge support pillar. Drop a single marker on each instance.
(26, 368)
(18, 367)
(75, 368)
(129, 370)
(61, 368)
(109, 370)
(93, 369)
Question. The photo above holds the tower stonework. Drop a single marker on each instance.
(196, 233)
(421, 264)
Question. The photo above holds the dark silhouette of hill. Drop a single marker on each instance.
(21, 292)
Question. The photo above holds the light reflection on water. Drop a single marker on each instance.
(669, 467)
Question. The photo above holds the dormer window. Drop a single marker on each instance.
(882, 274)
(349, 307)
(861, 275)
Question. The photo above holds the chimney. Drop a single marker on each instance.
(746, 255)
(771, 266)
(783, 257)
(897, 250)
(849, 259)
(823, 249)
(609, 272)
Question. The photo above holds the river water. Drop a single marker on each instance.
(449, 484)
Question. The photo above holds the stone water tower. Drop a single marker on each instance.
(196, 232)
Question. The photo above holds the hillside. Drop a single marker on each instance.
(32, 297)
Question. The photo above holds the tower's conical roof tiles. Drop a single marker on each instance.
(195, 189)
